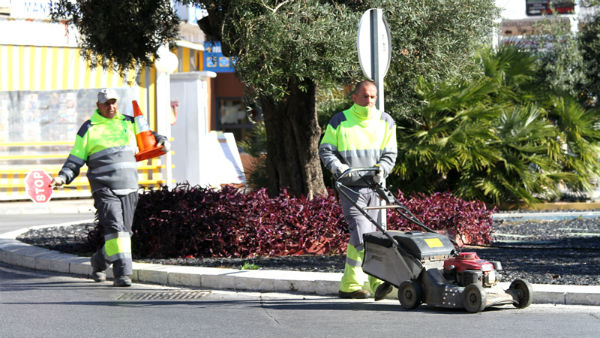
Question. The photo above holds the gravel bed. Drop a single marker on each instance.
(565, 252)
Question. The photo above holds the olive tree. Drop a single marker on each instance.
(285, 51)
(434, 41)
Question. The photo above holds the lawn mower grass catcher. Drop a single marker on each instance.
(427, 267)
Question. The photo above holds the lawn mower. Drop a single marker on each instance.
(427, 267)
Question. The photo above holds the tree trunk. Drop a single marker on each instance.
(293, 136)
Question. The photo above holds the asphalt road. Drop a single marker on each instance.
(39, 304)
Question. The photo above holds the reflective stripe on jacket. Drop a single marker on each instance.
(359, 137)
(108, 147)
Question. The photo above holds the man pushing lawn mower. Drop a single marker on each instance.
(359, 148)
(360, 136)
(425, 266)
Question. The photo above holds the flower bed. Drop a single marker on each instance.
(198, 222)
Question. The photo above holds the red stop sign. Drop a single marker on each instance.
(37, 186)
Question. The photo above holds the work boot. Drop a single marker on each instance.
(97, 274)
(122, 281)
(358, 294)
(382, 290)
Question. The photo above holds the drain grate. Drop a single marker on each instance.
(162, 295)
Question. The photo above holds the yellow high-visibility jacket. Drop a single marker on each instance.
(359, 137)
(108, 147)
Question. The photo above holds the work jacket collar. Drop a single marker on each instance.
(363, 113)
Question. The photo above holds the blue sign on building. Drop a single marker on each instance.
(215, 61)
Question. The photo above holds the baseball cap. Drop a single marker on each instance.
(107, 94)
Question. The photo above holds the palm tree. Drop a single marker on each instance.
(498, 136)
(524, 169)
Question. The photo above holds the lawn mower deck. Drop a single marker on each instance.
(426, 269)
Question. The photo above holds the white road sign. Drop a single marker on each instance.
(374, 44)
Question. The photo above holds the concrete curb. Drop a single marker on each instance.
(555, 215)
(17, 253)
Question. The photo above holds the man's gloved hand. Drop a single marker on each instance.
(342, 168)
(58, 181)
(166, 145)
(378, 177)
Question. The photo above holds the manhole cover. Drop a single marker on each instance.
(163, 295)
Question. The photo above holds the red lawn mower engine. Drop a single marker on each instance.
(467, 268)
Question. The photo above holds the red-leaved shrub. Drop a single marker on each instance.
(470, 222)
(200, 222)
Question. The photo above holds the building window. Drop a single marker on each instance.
(232, 117)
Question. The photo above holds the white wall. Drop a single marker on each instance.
(512, 9)
(201, 157)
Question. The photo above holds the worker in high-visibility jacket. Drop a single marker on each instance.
(106, 143)
(360, 137)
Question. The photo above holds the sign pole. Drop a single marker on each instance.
(376, 15)
(374, 54)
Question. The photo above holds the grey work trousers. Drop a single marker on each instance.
(115, 215)
(358, 224)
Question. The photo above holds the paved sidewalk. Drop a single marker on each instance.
(20, 254)
(68, 206)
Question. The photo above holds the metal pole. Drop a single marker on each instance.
(376, 14)
(163, 120)
(375, 50)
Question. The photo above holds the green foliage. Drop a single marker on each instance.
(435, 40)
(255, 145)
(119, 34)
(499, 137)
(559, 58)
(285, 43)
(278, 41)
(288, 48)
(331, 101)
(589, 40)
(249, 266)
(579, 135)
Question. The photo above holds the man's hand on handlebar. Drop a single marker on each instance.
(378, 177)
(344, 172)
(342, 168)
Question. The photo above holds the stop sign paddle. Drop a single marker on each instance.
(37, 186)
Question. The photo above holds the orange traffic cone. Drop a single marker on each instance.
(146, 141)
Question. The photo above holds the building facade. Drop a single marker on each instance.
(47, 90)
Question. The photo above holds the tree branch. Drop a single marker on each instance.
(277, 7)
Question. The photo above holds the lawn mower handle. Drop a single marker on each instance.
(383, 193)
(339, 187)
(373, 170)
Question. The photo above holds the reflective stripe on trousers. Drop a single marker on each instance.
(354, 278)
(117, 246)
